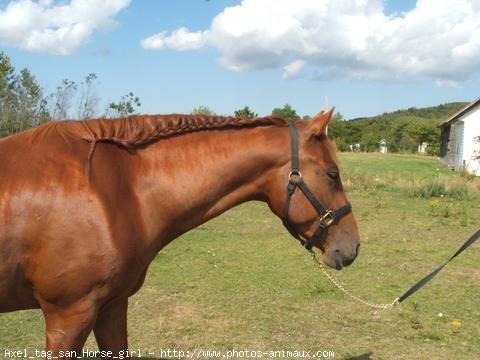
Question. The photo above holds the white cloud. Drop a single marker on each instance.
(341, 38)
(181, 39)
(46, 27)
(445, 83)
(291, 70)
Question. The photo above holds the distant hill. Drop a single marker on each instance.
(402, 130)
(439, 112)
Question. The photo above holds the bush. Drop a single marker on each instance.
(433, 188)
(428, 189)
(460, 192)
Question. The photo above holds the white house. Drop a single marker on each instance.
(460, 141)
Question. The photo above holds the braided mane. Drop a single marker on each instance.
(137, 130)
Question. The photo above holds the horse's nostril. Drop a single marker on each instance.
(357, 249)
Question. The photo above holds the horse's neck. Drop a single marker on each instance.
(189, 179)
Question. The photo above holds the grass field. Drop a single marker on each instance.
(240, 282)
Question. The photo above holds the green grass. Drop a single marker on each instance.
(415, 176)
(241, 282)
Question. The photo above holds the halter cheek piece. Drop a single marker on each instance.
(327, 217)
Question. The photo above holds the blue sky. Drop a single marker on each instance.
(366, 56)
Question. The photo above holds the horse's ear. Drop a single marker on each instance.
(318, 124)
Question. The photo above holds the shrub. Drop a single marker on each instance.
(460, 192)
(428, 189)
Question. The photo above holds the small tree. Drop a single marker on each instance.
(63, 98)
(337, 117)
(127, 105)
(202, 110)
(287, 112)
(341, 144)
(30, 102)
(7, 95)
(88, 99)
(245, 113)
(370, 140)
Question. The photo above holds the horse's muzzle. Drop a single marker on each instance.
(341, 258)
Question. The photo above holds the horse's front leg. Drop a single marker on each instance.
(68, 326)
(111, 327)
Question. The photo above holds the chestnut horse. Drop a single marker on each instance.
(86, 205)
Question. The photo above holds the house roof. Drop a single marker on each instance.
(460, 112)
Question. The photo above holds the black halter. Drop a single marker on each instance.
(327, 217)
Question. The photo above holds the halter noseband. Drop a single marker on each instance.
(327, 217)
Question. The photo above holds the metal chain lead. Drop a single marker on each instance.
(345, 291)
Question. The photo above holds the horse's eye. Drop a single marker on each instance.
(333, 175)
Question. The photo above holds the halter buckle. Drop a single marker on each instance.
(295, 173)
(328, 218)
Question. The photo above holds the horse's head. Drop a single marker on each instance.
(313, 206)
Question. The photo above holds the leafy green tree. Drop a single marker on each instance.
(286, 112)
(7, 95)
(202, 110)
(370, 140)
(31, 106)
(22, 104)
(348, 132)
(341, 144)
(7, 73)
(127, 105)
(245, 113)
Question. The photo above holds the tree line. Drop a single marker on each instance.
(245, 112)
(400, 131)
(24, 104)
